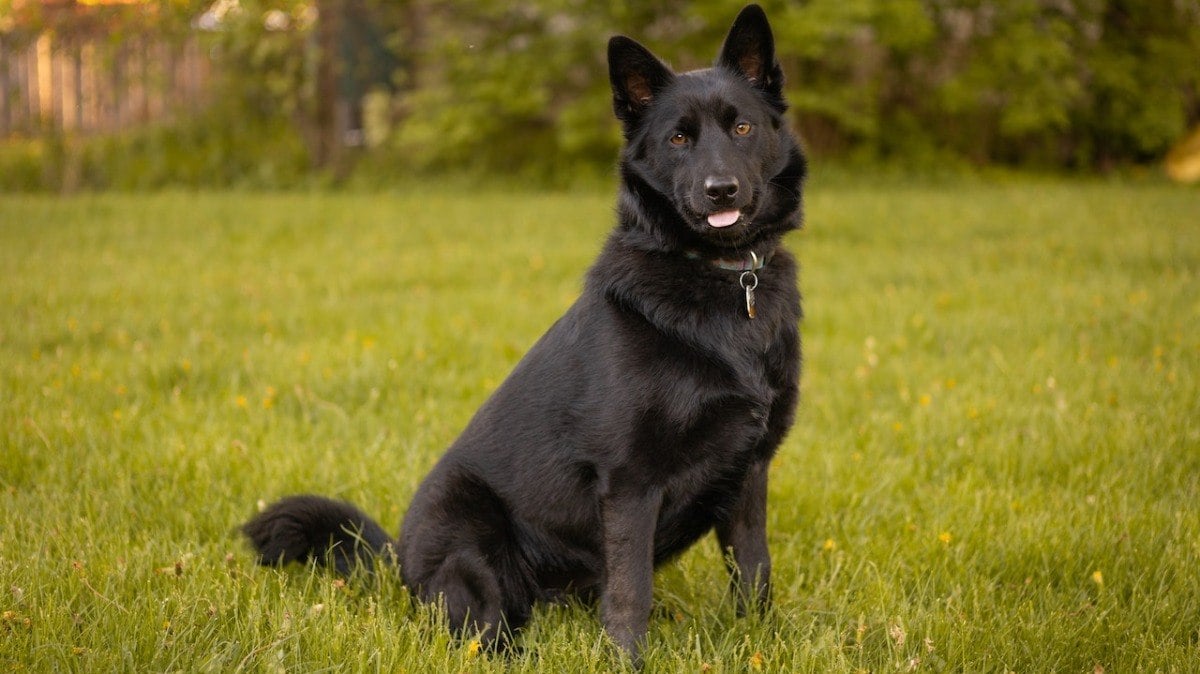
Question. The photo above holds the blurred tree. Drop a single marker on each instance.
(1055, 82)
(311, 64)
(513, 88)
(1141, 71)
(1060, 82)
(521, 88)
(1010, 77)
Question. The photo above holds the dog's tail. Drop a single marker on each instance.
(329, 532)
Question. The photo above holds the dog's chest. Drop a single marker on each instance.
(703, 418)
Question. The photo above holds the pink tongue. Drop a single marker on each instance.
(724, 218)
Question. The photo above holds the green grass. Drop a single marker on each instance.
(996, 465)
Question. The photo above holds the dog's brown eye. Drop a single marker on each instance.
(679, 139)
(742, 128)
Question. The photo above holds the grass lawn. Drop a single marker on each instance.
(996, 465)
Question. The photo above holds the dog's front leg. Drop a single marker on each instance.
(629, 521)
(745, 535)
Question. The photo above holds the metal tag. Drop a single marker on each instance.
(749, 286)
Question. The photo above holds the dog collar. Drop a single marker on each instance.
(753, 262)
(746, 267)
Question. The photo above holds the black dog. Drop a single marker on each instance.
(647, 415)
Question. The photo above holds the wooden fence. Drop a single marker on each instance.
(97, 86)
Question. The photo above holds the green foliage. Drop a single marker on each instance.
(520, 91)
(250, 134)
(220, 147)
(994, 467)
(22, 163)
(515, 89)
(524, 88)
(1144, 88)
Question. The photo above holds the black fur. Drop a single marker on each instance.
(648, 414)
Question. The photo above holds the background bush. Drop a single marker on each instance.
(520, 89)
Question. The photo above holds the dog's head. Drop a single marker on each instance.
(709, 149)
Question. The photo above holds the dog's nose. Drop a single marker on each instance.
(721, 189)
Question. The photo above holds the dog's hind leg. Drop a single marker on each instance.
(470, 591)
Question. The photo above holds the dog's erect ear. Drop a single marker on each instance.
(636, 75)
(750, 50)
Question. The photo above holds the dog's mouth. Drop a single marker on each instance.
(723, 219)
(721, 222)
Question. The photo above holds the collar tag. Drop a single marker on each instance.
(749, 281)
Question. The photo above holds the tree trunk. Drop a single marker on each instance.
(326, 149)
